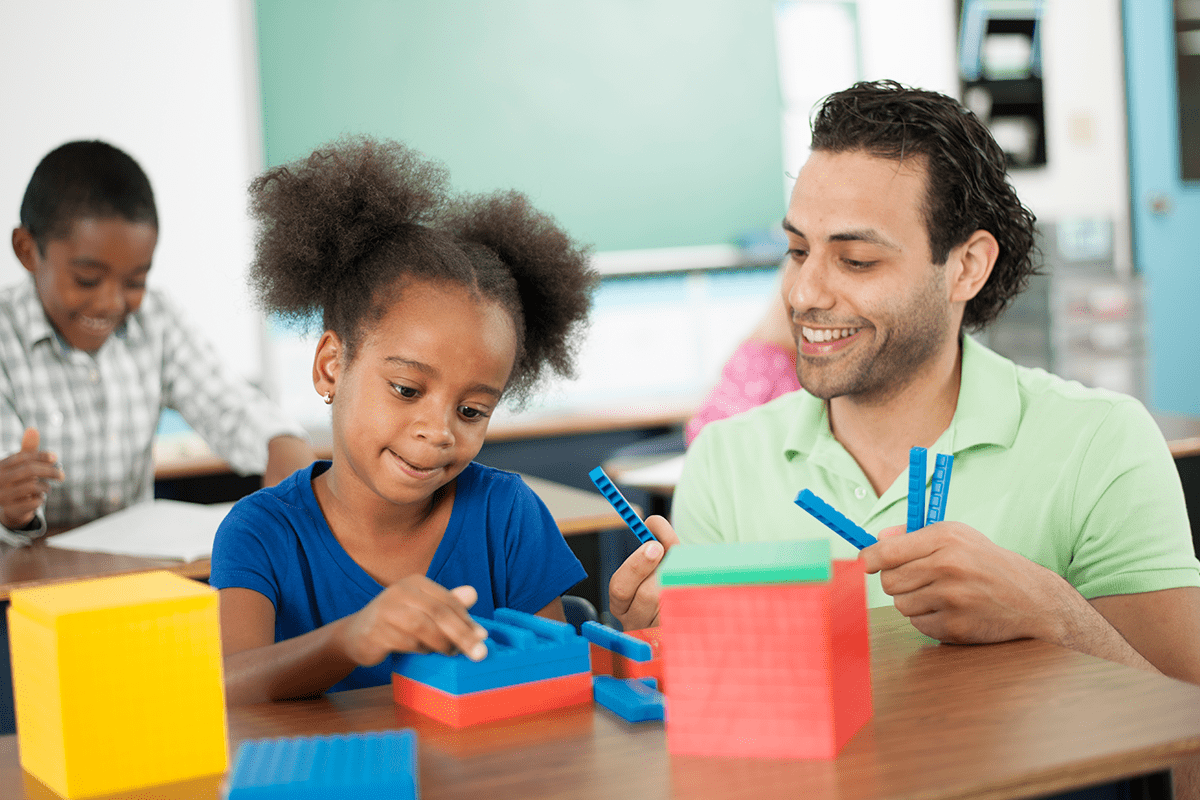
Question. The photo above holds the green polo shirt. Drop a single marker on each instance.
(1079, 480)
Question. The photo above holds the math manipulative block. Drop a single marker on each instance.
(521, 648)
(617, 500)
(533, 664)
(774, 668)
(118, 683)
(916, 489)
(616, 641)
(835, 520)
(365, 766)
(633, 700)
(606, 662)
(939, 488)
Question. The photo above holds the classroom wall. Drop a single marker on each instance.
(175, 85)
(178, 88)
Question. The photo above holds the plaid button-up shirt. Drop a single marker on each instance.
(98, 411)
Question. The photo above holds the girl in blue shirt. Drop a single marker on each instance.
(433, 309)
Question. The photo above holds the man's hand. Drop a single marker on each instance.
(956, 585)
(633, 590)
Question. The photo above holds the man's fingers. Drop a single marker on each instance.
(662, 531)
(632, 574)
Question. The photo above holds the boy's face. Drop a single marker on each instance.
(93, 278)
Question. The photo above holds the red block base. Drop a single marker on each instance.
(462, 710)
(774, 671)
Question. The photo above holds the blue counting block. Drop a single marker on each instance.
(633, 700)
(617, 500)
(939, 489)
(834, 520)
(621, 643)
(365, 766)
(521, 648)
(916, 489)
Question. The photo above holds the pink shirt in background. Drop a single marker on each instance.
(756, 372)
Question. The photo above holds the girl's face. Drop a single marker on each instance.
(411, 410)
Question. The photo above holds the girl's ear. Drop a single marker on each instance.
(327, 365)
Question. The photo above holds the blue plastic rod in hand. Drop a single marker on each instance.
(916, 489)
(617, 500)
(939, 489)
(834, 520)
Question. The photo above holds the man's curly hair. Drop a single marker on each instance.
(967, 187)
(343, 231)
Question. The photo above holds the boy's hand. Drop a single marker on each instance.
(414, 615)
(23, 481)
(633, 590)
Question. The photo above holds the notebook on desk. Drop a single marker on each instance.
(157, 529)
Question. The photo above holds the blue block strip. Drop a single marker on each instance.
(631, 700)
(547, 628)
(620, 643)
(939, 490)
(617, 500)
(916, 489)
(834, 520)
(530, 657)
(366, 766)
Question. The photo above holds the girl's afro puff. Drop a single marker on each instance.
(342, 231)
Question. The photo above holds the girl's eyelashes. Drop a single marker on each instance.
(406, 392)
(470, 413)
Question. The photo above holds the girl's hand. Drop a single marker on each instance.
(414, 615)
(23, 478)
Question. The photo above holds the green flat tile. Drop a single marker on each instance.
(735, 563)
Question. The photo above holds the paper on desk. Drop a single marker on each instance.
(157, 529)
(664, 473)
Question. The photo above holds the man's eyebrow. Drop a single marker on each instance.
(868, 235)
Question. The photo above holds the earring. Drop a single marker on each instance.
(328, 398)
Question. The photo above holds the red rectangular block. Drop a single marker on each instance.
(768, 670)
(473, 708)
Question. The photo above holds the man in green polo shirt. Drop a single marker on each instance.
(1065, 518)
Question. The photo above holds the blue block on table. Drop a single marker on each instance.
(521, 648)
(633, 700)
(363, 766)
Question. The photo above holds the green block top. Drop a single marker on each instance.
(737, 563)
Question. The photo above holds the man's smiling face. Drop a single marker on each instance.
(869, 308)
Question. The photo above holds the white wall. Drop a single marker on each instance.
(1087, 169)
(175, 85)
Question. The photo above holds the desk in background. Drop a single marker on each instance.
(1012, 720)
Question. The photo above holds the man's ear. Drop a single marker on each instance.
(327, 365)
(26, 249)
(972, 263)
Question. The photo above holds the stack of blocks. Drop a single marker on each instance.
(766, 649)
(118, 683)
(634, 699)
(533, 664)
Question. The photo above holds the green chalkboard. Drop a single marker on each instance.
(636, 123)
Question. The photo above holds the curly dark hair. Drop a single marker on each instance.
(344, 230)
(84, 179)
(967, 187)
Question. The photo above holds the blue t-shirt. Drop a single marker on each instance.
(500, 539)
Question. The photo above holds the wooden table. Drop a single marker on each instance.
(576, 512)
(1020, 719)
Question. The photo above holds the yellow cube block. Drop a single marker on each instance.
(118, 683)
